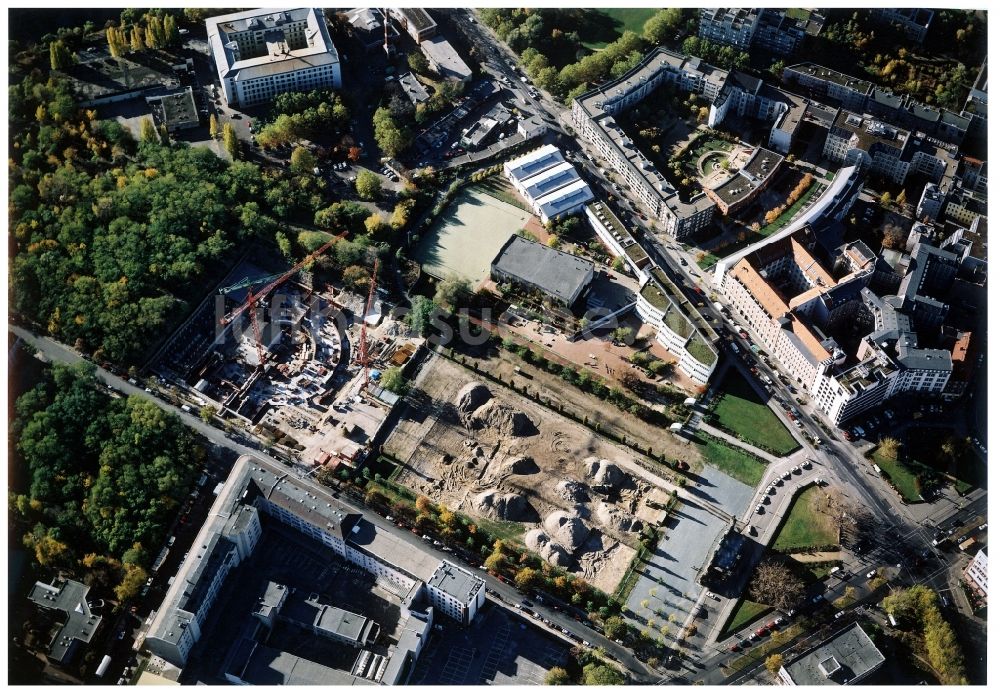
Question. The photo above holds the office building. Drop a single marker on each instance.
(261, 53)
(847, 657)
(259, 489)
(75, 623)
(175, 111)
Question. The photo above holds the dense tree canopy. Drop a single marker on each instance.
(109, 239)
(303, 115)
(101, 473)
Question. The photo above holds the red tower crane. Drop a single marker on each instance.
(274, 281)
(363, 345)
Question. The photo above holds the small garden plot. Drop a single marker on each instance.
(730, 460)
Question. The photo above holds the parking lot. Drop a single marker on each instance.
(498, 648)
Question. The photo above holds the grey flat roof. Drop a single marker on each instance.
(69, 598)
(550, 270)
(177, 107)
(455, 581)
(440, 52)
(850, 654)
(387, 547)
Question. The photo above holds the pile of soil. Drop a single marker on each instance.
(572, 491)
(604, 473)
(503, 419)
(504, 506)
(471, 397)
(521, 465)
(551, 552)
(567, 530)
(618, 519)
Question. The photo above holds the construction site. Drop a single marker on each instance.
(296, 362)
(482, 449)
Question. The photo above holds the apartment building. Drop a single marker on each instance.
(743, 188)
(678, 325)
(862, 96)
(735, 27)
(887, 150)
(931, 202)
(261, 53)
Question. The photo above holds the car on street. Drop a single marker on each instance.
(839, 614)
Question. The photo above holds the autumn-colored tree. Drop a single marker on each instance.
(213, 126)
(526, 578)
(147, 131)
(132, 583)
(888, 447)
(774, 662)
(229, 141)
(776, 585)
(354, 154)
(424, 504)
(495, 562)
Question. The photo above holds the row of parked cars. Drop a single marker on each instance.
(862, 429)
(772, 488)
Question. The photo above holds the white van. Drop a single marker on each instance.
(186, 408)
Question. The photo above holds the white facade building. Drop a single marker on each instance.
(261, 53)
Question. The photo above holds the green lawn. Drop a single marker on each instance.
(900, 475)
(732, 461)
(511, 531)
(746, 612)
(806, 525)
(814, 190)
(741, 412)
(625, 19)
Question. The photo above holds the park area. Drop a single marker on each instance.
(808, 525)
(620, 20)
(741, 412)
(468, 234)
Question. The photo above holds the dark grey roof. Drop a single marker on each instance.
(844, 658)
(262, 665)
(70, 598)
(455, 581)
(915, 358)
(307, 610)
(554, 272)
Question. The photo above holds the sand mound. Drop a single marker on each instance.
(506, 506)
(605, 473)
(503, 419)
(551, 552)
(566, 530)
(616, 518)
(521, 465)
(572, 491)
(471, 397)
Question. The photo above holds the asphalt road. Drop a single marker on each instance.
(55, 351)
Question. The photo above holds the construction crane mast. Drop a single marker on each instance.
(273, 282)
(363, 345)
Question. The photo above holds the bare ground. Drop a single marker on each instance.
(612, 419)
(451, 460)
